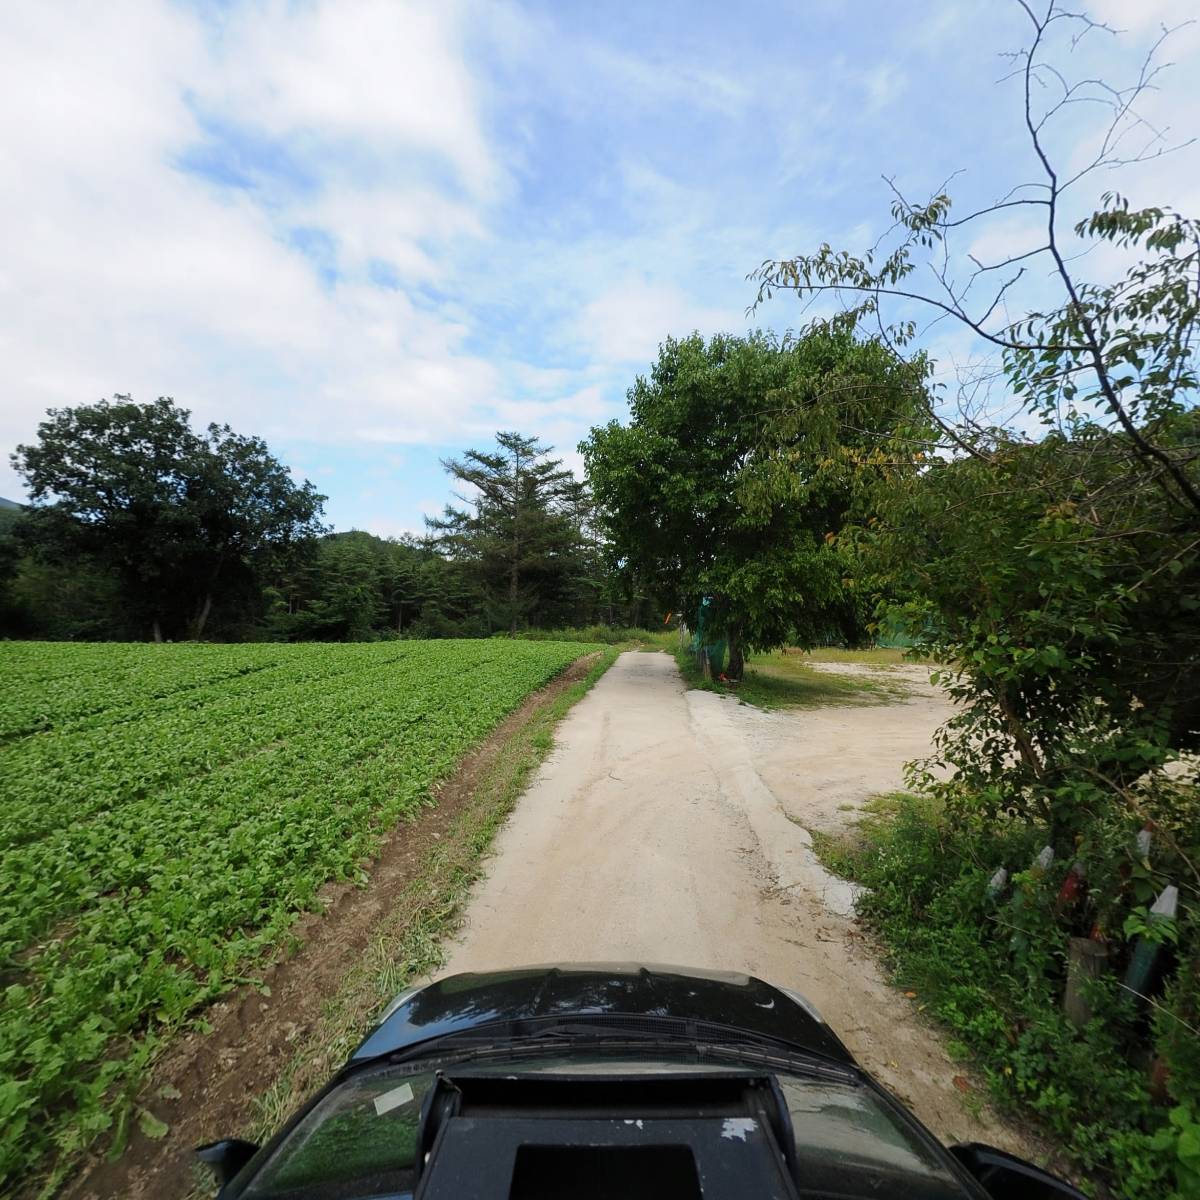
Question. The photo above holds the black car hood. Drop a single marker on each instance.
(461, 1003)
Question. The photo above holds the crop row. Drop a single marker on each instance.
(52, 685)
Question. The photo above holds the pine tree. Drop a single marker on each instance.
(514, 531)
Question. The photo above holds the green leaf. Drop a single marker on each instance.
(151, 1126)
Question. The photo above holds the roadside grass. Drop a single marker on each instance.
(878, 656)
(651, 641)
(991, 970)
(840, 852)
(409, 940)
(648, 641)
(783, 680)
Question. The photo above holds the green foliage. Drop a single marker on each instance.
(178, 520)
(355, 587)
(994, 970)
(608, 635)
(147, 527)
(734, 476)
(1064, 597)
(523, 536)
(1179, 1144)
(1058, 578)
(167, 813)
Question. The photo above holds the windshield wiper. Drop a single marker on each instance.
(513, 1039)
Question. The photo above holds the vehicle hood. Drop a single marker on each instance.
(459, 1004)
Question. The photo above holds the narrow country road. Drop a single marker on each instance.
(668, 826)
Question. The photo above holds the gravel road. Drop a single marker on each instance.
(668, 826)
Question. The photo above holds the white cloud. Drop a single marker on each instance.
(388, 74)
(1139, 16)
(626, 323)
(123, 272)
(883, 86)
(505, 212)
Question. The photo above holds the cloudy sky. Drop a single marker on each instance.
(374, 232)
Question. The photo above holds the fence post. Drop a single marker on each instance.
(1086, 959)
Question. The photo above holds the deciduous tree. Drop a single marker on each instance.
(731, 479)
(176, 517)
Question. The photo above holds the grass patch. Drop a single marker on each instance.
(879, 656)
(836, 851)
(652, 641)
(840, 853)
(784, 680)
(409, 941)
(605, 635)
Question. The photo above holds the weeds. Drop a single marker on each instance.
(993, 970)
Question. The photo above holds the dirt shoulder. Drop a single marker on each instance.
(270, 1045)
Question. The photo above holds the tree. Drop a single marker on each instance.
(1055, 569)
(1121, 349)
(175, 517)
(355, 586)
(730, 481)
(514, 533)
(1062, 571)
(1073, 665)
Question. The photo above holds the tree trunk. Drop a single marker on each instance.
(516, 546)
(157, 632)
(1016, 729)
(737, 661)
(512, 596)
(202, 618)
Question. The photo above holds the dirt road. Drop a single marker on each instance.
(668, 827)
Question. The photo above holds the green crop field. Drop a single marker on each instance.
(166, 811)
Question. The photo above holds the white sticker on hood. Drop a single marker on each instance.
(393, 1099)
(738, 1127)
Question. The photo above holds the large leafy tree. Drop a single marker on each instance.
(515, 530)
(733, 477)
(178, 519)
(1056, 570)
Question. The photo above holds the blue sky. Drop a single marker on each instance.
(375, 232)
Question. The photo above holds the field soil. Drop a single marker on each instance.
(669, 826)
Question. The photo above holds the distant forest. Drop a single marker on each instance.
(141, 528)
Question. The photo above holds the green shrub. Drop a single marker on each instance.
(994, 970)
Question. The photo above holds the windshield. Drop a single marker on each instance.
(360, 1139)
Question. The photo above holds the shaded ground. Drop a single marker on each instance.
(668, 827)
